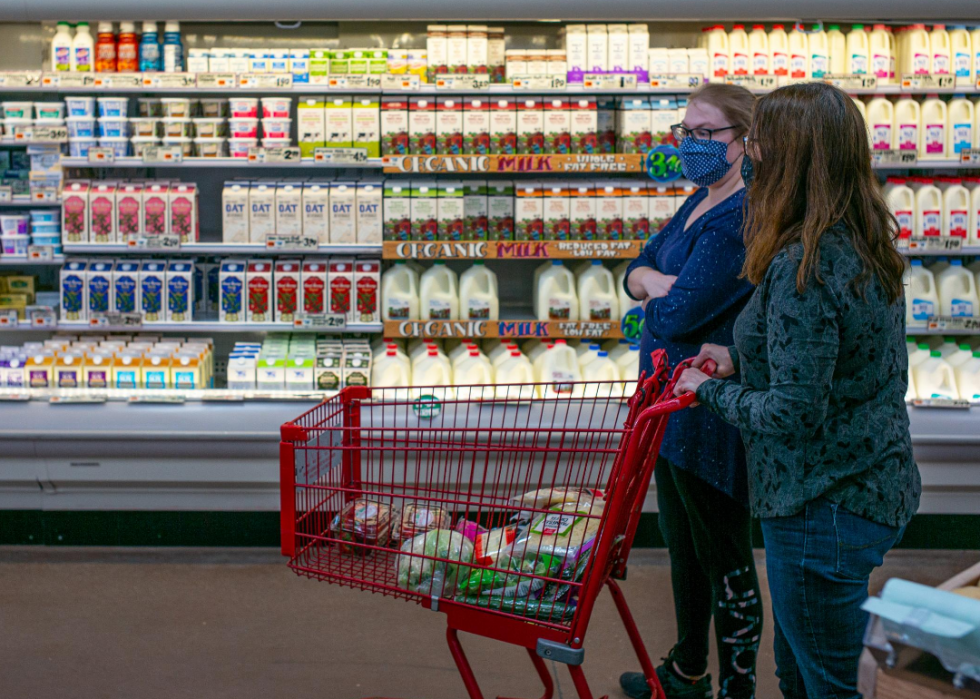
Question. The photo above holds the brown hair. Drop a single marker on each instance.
(809, 146)
(734, 101)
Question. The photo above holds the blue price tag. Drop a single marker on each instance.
(663, 163)
(632, 325)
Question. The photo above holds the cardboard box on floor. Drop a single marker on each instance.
(909, 679)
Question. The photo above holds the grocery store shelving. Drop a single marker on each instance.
(216, 249)
(923, 330)
(965, 250)
(372, 163)
(196, 327)
(928, 164)
(27, 203)
(28, 262)
(25, 142)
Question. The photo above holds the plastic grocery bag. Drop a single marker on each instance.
(484, 581)
(430, 577)
(566, 531)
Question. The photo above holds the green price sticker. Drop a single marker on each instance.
(664, 163)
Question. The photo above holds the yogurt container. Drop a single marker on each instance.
(15, 245)
(186, 145)
(80, 106)
(53, 239)
(276, 142)
(243, 128)
(113, 106)
(119, 145)
(114, 127)
(140, 143)
(276, 107)
(150, 107)
(243, 107)
(81, 127)
(238, 147)
(177, 127)
(209, 147)
(9, 125)
(49, 110)
(214, 107)
(78, 148)
(14, 224)
(44, 216)
(145, 127)
(18, 110)
(45, 229)
(176, 107)
(276, 128)
(210, 128)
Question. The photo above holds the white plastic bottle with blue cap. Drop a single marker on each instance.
(921, 300)
(957, 291)
(934, 378)
(603, 369)
(598, 300)
(589, 354)
(556, 298)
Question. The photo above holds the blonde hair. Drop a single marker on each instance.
(734, 101)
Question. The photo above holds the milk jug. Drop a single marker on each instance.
(603, 369)
(975, 45)
(961, 53)
(921, 299)
(956, 211)
(759, 50)
(836, 49)
(974, 237)
(514, 369)
(892, 50)
(556, 298)
(739, 62)
(907, 118)
(901, 202)
(432, 369)
(439, 292)
(957, 291)
(928, 211)
(628, 361)
(588, 354)
(391, 369)
(881, 121)
(959, 127)
(625, 302)
(939, 43)
(459, 351)
(559, 369)
(473, 370)
(501, 354)
(778, 51)
(864, 113)
(799, 54)
(717, 45)
(400, 293)
(910, 393)
(857, 50)
(934, 378)
(478, 295)
(919, 355)
(598, 300)
(880, 48)
(819, 52)
(968, 378)
(960, 356)
(917, 57)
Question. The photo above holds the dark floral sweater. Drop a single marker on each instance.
(821, 403)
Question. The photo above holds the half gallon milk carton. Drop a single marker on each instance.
(500, 210)
(258, 287)
(156, 210)
(394, 126)
(311, 125)
(636, 212)
(183, 212)
(475, 210)
(424, 210)
(262, 211)
(129, 211)
(366, 121)
(74, 212)
(343, 216)
(180, 291)
(153, 291)
(316, 211)
(286, 280)
(314, 286)
(340, 286)
(99, 292)
(125, 287)
(340, 124)
(235, 214)
(369, 217)
(367, 285)
(289, 209)
(529, 212)
(450, 210)
(102, 213)
(397, 204)
(231, 289)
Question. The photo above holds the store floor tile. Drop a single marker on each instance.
(205, 623)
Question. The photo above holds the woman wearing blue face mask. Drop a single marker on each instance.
(688, 278)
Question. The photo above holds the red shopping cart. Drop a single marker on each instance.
(507, 508)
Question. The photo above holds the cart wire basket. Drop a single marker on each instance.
(507, 508)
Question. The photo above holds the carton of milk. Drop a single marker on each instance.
(609, 211)
(500, 210)
(449, 125)
(316, 211)
(576, 52)
(476, 125)
(530, 125)
(231, 290)
(183, 212)
(313, 280)
(235, 214)
(660, 204)
(129, 211)
(529, 212)
(340, 287)
(503, 126)
(367, 286)
(474, 210)
(618, 51)
(369, 223)
(156, 209)
(397, 205)
(583, 125)
(664, 115)
(180, 291)
(424, 210)
(422, 125)
(636, 211)
(450, 208)
(319, 66)
(394, 126)
(289, 209)
(633, 127)
(582, 211)
(598, 48)
(557, 125)
(153, 291)
(366, 124)
(286, 280)
(102, 213)
(339, 122)
(556, 211)
(259, 291)
(343, 213)
(74, 212)
(311, 125)
(125, 287)
(99, 282)
(262, 211)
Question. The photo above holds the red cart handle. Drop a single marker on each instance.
(686, 399)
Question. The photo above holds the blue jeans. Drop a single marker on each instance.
(818, 563)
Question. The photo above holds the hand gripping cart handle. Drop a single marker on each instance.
(506, 508)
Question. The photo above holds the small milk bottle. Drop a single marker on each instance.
(556, 297)
(439, 293)
(759, 50)
(932, 135)
(901, 202)
(881, 122)
(968, 378)
(819, 52)
(717, 45)
(939, 43)
(957, 291)
(857, 50)
(400, 293)
(598, 300)
(514, 369)
(61, 48)
(908, 116)
(880, 47)
(83, 49)
(921, 301)
(479, 298)
(917, 58)
(799, 54)
(961, 54)
(959, 126)
(928, 211)
(739, 61)
(836, 49)
(778, 51)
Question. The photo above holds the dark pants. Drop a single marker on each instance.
(709, 536)
(819, 562)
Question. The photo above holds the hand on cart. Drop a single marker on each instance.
(713, 361)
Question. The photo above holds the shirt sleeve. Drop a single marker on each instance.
(647, 258)
(736, 360)
(803, 344)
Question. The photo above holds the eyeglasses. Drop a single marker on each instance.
(749, 144)
(681, 132)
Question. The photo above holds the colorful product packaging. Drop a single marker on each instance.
(262, 211)
(394, 126)
(74, 299)
(609, 211)
(153, 291)
(369, 222)
(475, 212)
(235, 216)
(476, 125)
(530, 125)
(633, 126)
(500, 210)
(102, 213)
(556, 211)
(311, 125)
(289, 209)
(99, 292)
(422, 125)
(449, 125)
(156, 210)
(183, 212)
(636, 211)
(450, 210)
(286, 279)
(231, 290)
(314, 286)
(503, 126)
(343, 216)
(74, 212)
(582, 211)
(606, 125)
(557, 125)
(662, 117)
(366, 121)
(180, 291)
(316, 211)
(424, 210)
(529, 212)
(339, 122)
(397, 204)
(660, 203)
(583, 125)
(129, 211)
(367, 282)
(125, 287)
(258, 287)
(340, 285)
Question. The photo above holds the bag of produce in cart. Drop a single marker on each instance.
(363, 522)
(417, 572)
(566, 531)
(418, 519)
(523, 584)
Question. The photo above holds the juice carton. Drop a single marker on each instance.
(183, 212)
(329, 372)
(664, 114)
(340, 62)
(231, 290)
(261, 211)
(397, 204)
(636, 211)
(367, 283)
(357, 369)
(74, 290)
(339, 122)
(99, 282)
(557, 125)
(129, 211)
(476, 125)
(633, 126)
(156, 209)
(606, 125)
(235, 213)
(422, 125)
(343, 213)
(456, 48)
(127, 371)
(369, 218)
(311, 124)
(378, 61)
(358, 62)
(180, 291)
(156, 372)
(74, 212)
(475, 210)
(530, 125)
(289, 209)
(366, 121)
(316, 211)
(102, 213)
(449, 125)
(609, 211)
(424, 210)
(503, 126)
(319, 66)
(661, 206)
(153, 291)
(500, 210)
(98, 370)
(69, 371)
(529, 212)
(286, 281)
(40, 371)
(394, 126)
(314, 283)
(258, 286)
(125, 287)
(582, 211)
(583, 124)
(557, 211)
(340, 283)
(450, 210)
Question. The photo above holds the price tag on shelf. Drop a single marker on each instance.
(266, 81)
(752, 82)
(101, 156)
(848, 81)
(221, 395)
(275, 154)
(169, 81)
(340, 156)
(14, 395)
(74, 398)
(216, 81)
(480, 81)
(275, 241)
(539, 82)
(676, 80)
(6, 194)
(40, 253)
(970, 156)
(609, 81)
(928, 82)
(321, 320)
(893, 156)
(54, 134)
(941, 403)
(162, 155)
(129, 320)
(354, 82)
(109, 81)
(20, 79)
(44, 194)
(400, 82)
(948, 323)
(156, 242)
(23, 133)
(8, 318)
(42, 317)
(931, 243)
(175, 399)
(68, 80)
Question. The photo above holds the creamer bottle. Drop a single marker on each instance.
(474, 369)
(83, 49)
(819, 51)
(61, 48)
(837, 49)
(932, 135)
(857, 50)
(799, 54)
(604, 370)
(968, 378)
(439, 293)
(479, 298)
(556, 297)
(560, 372)
(956, 211)
(901, 202)
(598, 300)
(717, 46)
(778, 51)
(917, 57)
(759, 50)
(880, 48)
(739, 61)
(881, 122)
(939, 43)
(928, 211)
(957, 291)
(921, 301)
(961, 54)
(514, 369)
(391, 369)
(908, 116)
(934, 378)
(959, 127)
(400, 293)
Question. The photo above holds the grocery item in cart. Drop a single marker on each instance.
(566, 532)
(417, 519)
(418, 572)
(362, 523)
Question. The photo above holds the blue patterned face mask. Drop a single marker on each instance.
(704, 162)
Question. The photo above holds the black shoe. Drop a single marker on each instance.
(635, 685)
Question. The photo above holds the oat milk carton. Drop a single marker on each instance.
(343, 213)
(316, 211)
(102, 213)
(235, 213)
(231, 290)
(258, 287)
(289, 209)
(369, 217)
(262, 211)
(180, 291)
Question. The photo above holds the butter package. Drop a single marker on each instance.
(636, 212)
(156, 209)
(530, 125)
(609, 211)
(125, 287)
(74, 212)
(424, 210)
(339, 120)
(529, 212)
(340, 285)
(450, 210)
(343, 216)
(153, 291)
(397, 203)
(449, 125)
(500, 210)
(422, 125)
(556, 211)
(289, 211)
(259, 292)
(582, 211)
(129, 211)
(99, 292)
(366, 120)
(476, 125)
(311, 125)
(183, 212)
(369, 223)
(286, 280)
(19, 284)
(180, 291)
(367, 285)
(262, 211)
(235, 214)
(102, 213)
(394, 126)
(231, 289)
(583, 125)
(74, 290)
(475, 210)
(316, 211)
(557, 125)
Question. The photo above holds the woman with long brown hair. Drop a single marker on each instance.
(821, 402)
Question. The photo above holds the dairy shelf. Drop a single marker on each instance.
(27, 203)
(372, 163)
(28, 262)
(196, 327)
(93, 396)
(924, 330)
(965, 250)
(216, 249)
